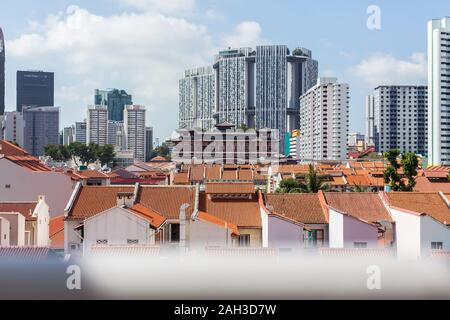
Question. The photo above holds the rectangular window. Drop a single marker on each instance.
(174, 233)
(244, 240)
(102, 241)
(360, 245)
(437, 245)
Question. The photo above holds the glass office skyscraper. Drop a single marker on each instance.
(35, 89)
(115, 100)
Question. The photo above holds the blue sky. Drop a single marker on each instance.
(143, 46)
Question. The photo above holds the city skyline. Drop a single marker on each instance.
(32, 43)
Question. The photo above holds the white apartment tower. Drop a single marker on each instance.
(370, 118)
(97, 125)
(134, 128)
(400, 118)
(324, 121)
(439, 91)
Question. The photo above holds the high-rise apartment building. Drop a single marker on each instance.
(196, 98)
(68, 135)
(324, 121)
(12, 127)
(134, 127)
(97, 125)
(235, 87)
(35, 88)
(41, 128)
(400, 118)
(116, 134)
(370, 120)
(148, 141)
(81, 132)
(2, 73)
(115, 100)
(439, 91)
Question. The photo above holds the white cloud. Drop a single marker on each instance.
(162, 6)
(245, 34)
(144, 53)
(385, 69)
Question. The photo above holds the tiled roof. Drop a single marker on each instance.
(241, 252)
(217, 221)
(213, 173)
(24, 208)
(9, 149)
(24, 254)
(56, 232)
(158, 159)
(242, 213)
(230, 188)
(28, 162)
(92, 200)
(197, 173)
(91, 174)
(167, 200)
(181, 178)
(361, 180)
(364, 206)
(155, 218)
(229, 175)
(245, 175)
(428, 203)
(302, 207)
(425, 185)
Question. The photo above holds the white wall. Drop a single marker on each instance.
(432, 231)
(42, 224)
(407, 228)
(203, 234)
(4, 232)
(26, 185)
(265, 228)
(17, 228)
(283, 234)
(336, 229)
(117, 225)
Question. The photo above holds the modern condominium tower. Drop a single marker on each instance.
(235, 87)
(439, 92)
(81, 131)
(134, 127)
(370, 118)
(324, 121)
(400, 118)
(2, 73)
(196, 98)
(97, 125)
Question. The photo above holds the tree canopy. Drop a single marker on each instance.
(81, 153)
(409, 162)
(313, 183)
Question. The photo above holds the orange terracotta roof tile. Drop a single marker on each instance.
(338, 181)
(425, 185)
(213, 173)
(155, 218)
(28, 162)
(362, 205)
(359, 180)
(229, 188)
(197, 173)
(229, 175)
(217, 221)
(24, 208)
(302, 207)
(240, 212)
(91, 174)
(181, 178)
(428, 203)
(56, 232)
(9, 149)
(246, 175)
(92, 200)
(167, 200)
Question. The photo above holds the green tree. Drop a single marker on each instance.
(78, 151)
(57, 152)
(106, 154)
(313, 182)
(410, 163)
(358, 188)
(162, 151)
(289, 186)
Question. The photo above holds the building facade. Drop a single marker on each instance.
(324, 121)
(41, 128)
(115, 100)
(400, 118)
(35, 88)
(134, 127)
(116, 134)
(12, 127)
(148, 141)
(196, 99)
(81, 131)
(370, 120)
(68, 135)
(97, 125)
(439, 91)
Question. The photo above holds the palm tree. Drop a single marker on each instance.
(358, 188)
(313, 183)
